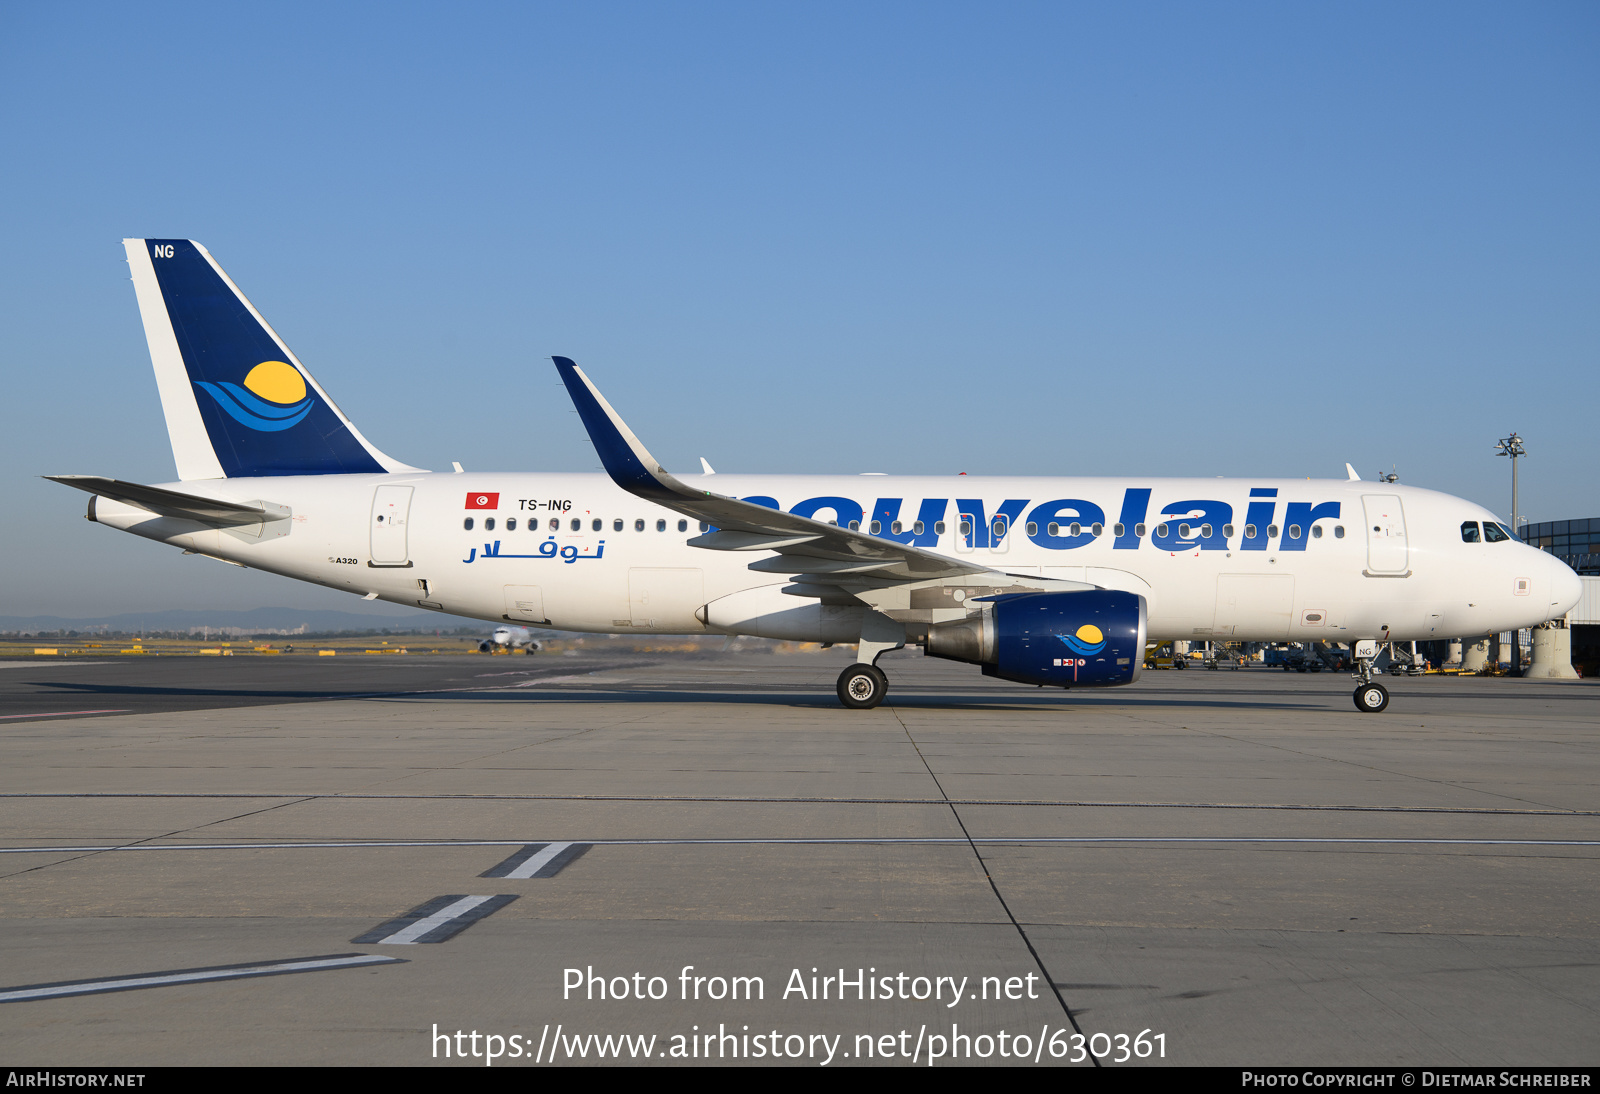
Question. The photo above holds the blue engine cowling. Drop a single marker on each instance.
(1093, 638)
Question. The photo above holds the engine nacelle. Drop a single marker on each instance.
(1093, 638)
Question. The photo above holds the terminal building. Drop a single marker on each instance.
(1577, 543)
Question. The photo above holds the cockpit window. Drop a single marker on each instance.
(1495, 533)
(1469, 531)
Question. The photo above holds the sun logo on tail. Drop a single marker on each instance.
(1087, 641)
(273, 397)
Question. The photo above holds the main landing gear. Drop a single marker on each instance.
(862, 687)
(1371, 697)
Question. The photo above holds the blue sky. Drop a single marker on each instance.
(1219, 239)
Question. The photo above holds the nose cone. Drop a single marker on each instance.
(1565, 587)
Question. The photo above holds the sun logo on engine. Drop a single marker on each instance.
(1086, 642)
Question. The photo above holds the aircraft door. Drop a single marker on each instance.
(525, 602)
(391, 508)
(999, 542)
(1386, 534)
(666, 599)
(1255, 607)
(967, 532)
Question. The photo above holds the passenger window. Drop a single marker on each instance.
(1097, 528)
(1272, 531)
(1117, 529)
(1138, 530)
(555, 524)
(467, 524)
(597, 524)
(1294, 531)
(616, 525)
(966, 527)
(1033, 528)
(638, 526)
(1338, 531)
(1316, 531)
(895, 528)
(855, 525)
(1494, 533)
(704, 527)
(1161, 530)
(661, 526)
(998, 528)
(1227, 531)
(488, 524)
(876, 527)
(1249, 531)
(1053, 528)
(577, 525)
(915, 528)
(1076, 529)
(938, 527)
(511, 524)
(1205, 531)
(1469, 531)
(1183, 531)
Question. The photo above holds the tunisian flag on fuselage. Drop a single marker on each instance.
(483, 501)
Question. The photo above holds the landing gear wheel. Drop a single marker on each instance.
(1372, 698)
(862, 687)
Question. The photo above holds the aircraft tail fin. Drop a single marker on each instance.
(238, 403)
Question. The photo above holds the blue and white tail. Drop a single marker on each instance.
(238, 403)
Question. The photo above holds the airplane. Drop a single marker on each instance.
(512, 638)
(1045, 581)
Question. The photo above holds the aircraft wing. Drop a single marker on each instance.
(167, 503)
(810, 548)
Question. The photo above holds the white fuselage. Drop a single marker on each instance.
(1344, 560)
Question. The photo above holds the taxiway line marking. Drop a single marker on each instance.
(57, 990)
(538, 860)
(669, 799)
(63, 713)
(439, 919)
(803, 840)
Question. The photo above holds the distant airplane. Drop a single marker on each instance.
(512, 638)
(1048, 581)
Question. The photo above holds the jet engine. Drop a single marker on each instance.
(1094, 638)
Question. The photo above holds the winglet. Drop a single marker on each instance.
(625, 459)
(1352, 473)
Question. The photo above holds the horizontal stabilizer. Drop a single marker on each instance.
(168, 503)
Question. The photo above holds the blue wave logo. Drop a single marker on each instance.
(1087, 642)
(272, 398)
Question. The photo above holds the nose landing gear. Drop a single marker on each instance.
(1370, 697)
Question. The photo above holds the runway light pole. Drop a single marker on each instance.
(1512, 446)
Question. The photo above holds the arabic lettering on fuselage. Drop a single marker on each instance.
(569, 554)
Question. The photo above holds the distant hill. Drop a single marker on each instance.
(253, 621)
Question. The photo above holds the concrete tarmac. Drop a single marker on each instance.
(1205, 868)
